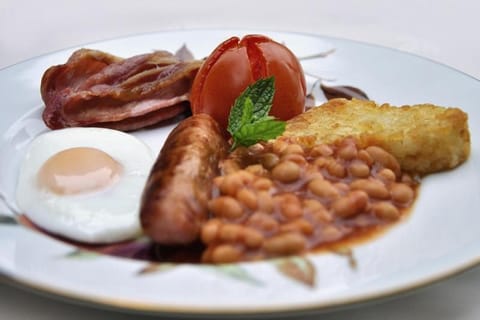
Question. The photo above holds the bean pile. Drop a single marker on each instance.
(282, 198)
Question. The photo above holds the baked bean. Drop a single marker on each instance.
(321, 216)
(323, 162)
(294, 157)
(293, 149)
(289, 204)
(341, 187)
(374, 188)
(252, 238)
(401, 193)
(210, 230)
(386, 175)
(230, 184)
(286, 197)
(312, 173)
(347, 152)
(359, 169)
(313, 205)
(323, 189)
(269, 160)
(385, 210)
(291, 210)
(331, 233)
(256, 169)
(365, 157)
(244, 176)
(247, 198)
(286, 172)
(230, 232)
(226, 253)
(352, 204)
(321, 150)
(384, 158)
(225, 206)
(304, 226)
(262, 184)
(336, 169)
(299, 225)
(278, 146)
(285, 244)
(229, 166)
(265, 202)
(318, 212)
(263, 222)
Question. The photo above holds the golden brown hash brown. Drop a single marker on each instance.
(424, 138)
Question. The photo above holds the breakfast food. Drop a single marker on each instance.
(283, 198)
(423, 138)
(320, 184)
(95, 88)
(84, 183)
(332, 174)
(174, 203)
(235, 64)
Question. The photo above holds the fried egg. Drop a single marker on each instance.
(85, 184)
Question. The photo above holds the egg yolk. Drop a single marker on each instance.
(79, 170)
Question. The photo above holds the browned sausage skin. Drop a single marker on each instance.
(175, 198)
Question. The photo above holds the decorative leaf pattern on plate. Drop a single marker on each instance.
(329, 92)
(234, 271)
(346, 92)
(156, 268)
(7, 220)
(299, 269)
(348, 253)
(82, 254)
(323, 54)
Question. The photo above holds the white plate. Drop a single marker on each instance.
(439, 239)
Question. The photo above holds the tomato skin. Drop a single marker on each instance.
(235, 64)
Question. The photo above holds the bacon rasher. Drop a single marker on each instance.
(95, 88)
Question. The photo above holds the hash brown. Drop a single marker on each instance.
(424, 138)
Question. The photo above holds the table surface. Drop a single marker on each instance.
(443, 30)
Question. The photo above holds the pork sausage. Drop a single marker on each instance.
(174, 201)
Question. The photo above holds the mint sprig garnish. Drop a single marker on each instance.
(249, 122)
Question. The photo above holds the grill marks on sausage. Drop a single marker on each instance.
(98, 89)
(175, 199)
(315, 197)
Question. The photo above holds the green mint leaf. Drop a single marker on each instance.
(236, 116)
(249, 122)
(260, 95)
(262, 130)
(247, 112)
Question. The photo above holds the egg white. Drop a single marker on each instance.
(105, 216)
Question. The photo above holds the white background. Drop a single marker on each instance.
(443, 30)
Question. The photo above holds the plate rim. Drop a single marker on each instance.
(185, 310)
